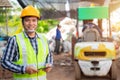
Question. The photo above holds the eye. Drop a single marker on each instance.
(26, 20)
(34, 20)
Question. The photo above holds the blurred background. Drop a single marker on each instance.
(53, 12)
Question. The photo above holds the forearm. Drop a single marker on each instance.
(12, 67)
(10, 56)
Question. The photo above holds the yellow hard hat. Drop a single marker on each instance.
(92, 4)
(30, 11)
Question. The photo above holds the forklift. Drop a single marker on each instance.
(93, 53)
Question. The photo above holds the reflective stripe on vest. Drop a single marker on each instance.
(23, 49)
(40, 36)
(26, 51)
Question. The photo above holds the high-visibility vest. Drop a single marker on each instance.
(29, 57)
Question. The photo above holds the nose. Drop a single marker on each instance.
(31, 22)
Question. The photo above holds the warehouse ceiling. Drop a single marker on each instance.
(50, 3)
(58, 6)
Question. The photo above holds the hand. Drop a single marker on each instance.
(48, 68)
(61, 39)
(31, 70)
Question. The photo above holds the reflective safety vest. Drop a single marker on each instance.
(29, 57)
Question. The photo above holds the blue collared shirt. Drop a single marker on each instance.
(11, 54)
(58, 34)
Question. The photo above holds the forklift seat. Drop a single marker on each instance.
(91, 34)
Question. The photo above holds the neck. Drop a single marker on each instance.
(31, 35)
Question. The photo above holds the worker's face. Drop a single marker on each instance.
(30, 24)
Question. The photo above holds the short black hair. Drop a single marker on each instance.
(58, 25)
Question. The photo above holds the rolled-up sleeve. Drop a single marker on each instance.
(10, 55)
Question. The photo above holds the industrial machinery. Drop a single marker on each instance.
(93, 53)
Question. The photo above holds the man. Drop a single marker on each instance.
(58, 39)
(27, 54)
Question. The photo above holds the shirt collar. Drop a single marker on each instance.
(25, 34)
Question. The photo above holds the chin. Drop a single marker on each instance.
(30, 31)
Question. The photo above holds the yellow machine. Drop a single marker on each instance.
(94, 50)
(93, 54)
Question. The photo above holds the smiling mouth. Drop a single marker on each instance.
(30, 30)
